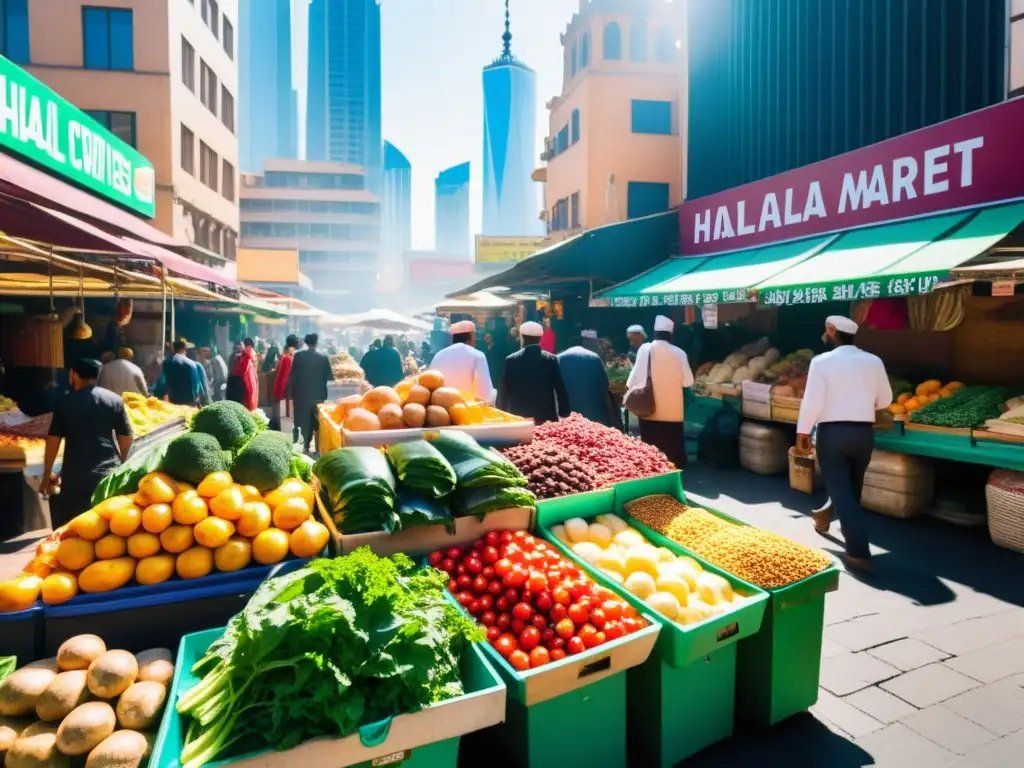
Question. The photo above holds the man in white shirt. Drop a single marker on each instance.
(464, 366)
(669, 371)
(845, 387)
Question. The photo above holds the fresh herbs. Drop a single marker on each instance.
(965, 408)
(323, 650)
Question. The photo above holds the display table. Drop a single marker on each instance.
(952, 447)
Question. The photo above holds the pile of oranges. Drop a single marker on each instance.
(925, 393)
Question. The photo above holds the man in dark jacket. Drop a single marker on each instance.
(307, 386)
(531, 385)
(586, 381)
(180, 376)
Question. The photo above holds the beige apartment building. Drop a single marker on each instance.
(162, 75)
(324, 211)
(1016, 48)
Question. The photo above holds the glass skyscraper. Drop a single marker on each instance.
(267, 102)
(396, 213)
(511, 204)
(451, 211)
(343, 110)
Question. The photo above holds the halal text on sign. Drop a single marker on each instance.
(965, 162)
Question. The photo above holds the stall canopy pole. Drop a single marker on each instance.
(174, 333)
(163, 315)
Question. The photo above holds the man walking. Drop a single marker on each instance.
(122, 375)
(181, 382)
(463, 365)
(532, 385)
(586, 381)
(845, 387)
(307, 386)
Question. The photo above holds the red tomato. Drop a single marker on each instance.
(453, 586)
(495, 588)
(505, 537)
(504, 620)
(454, 553)
(486, 602)
(520, 535)
(588, 634)
(488, 572)
(506, 644)
(579, 590)
(480, 584)
(612, 609)
(489, 555)
(492, 538)
(557, 654)
(562, 596)
(598, 618)
(586, 602)
(543, 601)
(574, 645)
(493, 633)
(539, 656)
(465, 581)
(529, 639)
(628, 611)
(557, 613)
(565, 629)
(522, 611)
(519, 661)
(578, 614)
(632, 625)
(517, 626)
(501, 603)
(503, 566)
(537, 581)
(539, 621)
(613, 630)
(478, 545)
(556, 642)
(525, 596)
(460, 568)
(464, 598)
(529, 542)
(488, 618)
(474, 565)
(554, 576)
(475, 608)
(547, 635)
(515, 578)
(448, 566)
(435, 557)
(600, 638)
(512, 596)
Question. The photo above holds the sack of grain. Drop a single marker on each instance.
(898, 485)
(764, 449)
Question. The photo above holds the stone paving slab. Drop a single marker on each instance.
(904, 748)
(1002, 753)
(949, 730)
(845, 716)
(998, 707)
(908, 654)
(881, 705)
(993, 662)
(929, 685)
(963, 637)
(851, 672)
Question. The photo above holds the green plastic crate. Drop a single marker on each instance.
(479, 681)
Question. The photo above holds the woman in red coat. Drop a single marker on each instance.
(245, 370)
(279, 396)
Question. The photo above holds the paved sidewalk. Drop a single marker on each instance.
(923, 661)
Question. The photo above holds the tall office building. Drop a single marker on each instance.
(396, 215)
(266, 98)
(343, 109)
(451, 211)
(510, 146)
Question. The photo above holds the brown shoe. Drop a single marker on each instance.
(822, 519)
(857, 563)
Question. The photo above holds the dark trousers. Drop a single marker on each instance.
(844, 452)
(306, 421)
(667, 437)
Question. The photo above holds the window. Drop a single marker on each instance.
(107, 38)
(121, 124)
(227, 108)
(211, 15)
(612, 41)
(574, 212)
(575, 125)
(227, 189)
(585, 51)
(562, 142)
(638, 41)
(652, 117)
(665, 44)
(229, 39)
(207, 166)
(207, 87)
(644, 198)
(572, 60)
(188, 65)
(188, 150)
(14, 30)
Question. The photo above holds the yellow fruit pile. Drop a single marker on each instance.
(148, 413)
(170, 528)
(926, 392)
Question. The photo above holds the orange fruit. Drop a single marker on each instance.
(291, 513)
(106, 509)
(106, 575)
(20, 593)
(177, 538)
(158, 488)
(75, 554)
(228, 503)
(270, 546)
(309, 539)
(194, 563)
(255, 518)
(89, 525)
(126, 521)
(59, 587)
(289, 488)
(233, 555)
(213, 531)
(251, 493)
(214, 483)
(155, 569)
(157, 518)
(143, 544)
(189, 508)
(111, 547)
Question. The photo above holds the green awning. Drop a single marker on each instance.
(724, 279)
(856, 266)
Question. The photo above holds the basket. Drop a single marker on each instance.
(804, 473)
(763, 449)
(1004, 495)
(898, 485)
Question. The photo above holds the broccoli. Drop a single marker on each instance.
(228, 421)
(264, 463)
(193, 456)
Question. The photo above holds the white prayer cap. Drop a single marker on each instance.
(463, 326)
(840, 323)
(531, 329)
(636, 329)
(588, 334)
(662, 323)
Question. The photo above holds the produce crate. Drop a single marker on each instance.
(693, 664)
(778, 668)
(497, 435)
(426, 739)
(21, 635)
(328, 434)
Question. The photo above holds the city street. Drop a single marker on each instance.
(923, 661)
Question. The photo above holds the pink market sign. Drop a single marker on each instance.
(972, 160)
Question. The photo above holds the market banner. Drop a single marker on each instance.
(499, 250)
(678, 299)
(853, 290)
(963, 163)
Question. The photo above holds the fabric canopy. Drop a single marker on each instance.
(379, 319)
(476, 302)
(602, 256)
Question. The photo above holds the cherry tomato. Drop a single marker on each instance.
(460, 568)
(493, 633)
(501, 603)
(586, 602)
(543, 602)
(613, 630)
(504, 620)
(464, 598)
(557, 654)
(454, 553)
(578, 614)
(489, 555)
(522, 611)
(474, 565)
(539, 621)
(556, 642)
(565, 629)
(486, 602)
(561, 596)
(547, 635)
(488, 572)
(529, 639)
(465, 581)
(502, 566)
(435, 557)
(525, 596)
(574, 645)
(612, 609)
(448, 566)
(506, 644)
(598, 618)
(475, 608)
(512, 596)
(557, 613)
(632, 625)
(488, 618)
(492, 538)
(479, 584)
(478, 545)
(453, 586)
(520, 535)
(495, 588)
(519, 661)
(629, 612)
(517, 626)
(578, 590)
(554, 576)
(505, 537)
(537, 581)
(600, 638)
(515, 578)
(539, 656)
(587, 634)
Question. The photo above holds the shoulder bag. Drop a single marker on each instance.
(640, 400)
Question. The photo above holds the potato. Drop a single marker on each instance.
(437, 416)
(80, 651)
(86, 727)
(67, 691)
(20, 690)
(139, 707)
(123, 749)
(10, 729)
(112, 673)
(36, 748)
(156, 665)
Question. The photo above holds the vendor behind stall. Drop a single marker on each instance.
(637, 336)
(93, 424)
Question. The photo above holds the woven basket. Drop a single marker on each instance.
(763, 449)
(804, 472)
(1004, 495)
(898, 485)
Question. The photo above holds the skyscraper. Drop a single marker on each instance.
(267, 117)
(396, 214)
(451, 211)
(343, 110)
(510, 148)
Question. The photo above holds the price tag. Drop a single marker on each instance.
(709, 315)
(1003, 288)
(392, 759)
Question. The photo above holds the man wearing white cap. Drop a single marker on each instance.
(637, 336)
(845, 387)
(667, 369)
(531, 384)
(463, 365)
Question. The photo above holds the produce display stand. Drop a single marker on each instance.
(426, 739)
(691, 664)
(778, 668)
(21, 634)
(970, 446)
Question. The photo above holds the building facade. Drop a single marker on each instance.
(343, 107)
(267, 101)
(510, 145)
(778, 86)
(1016, 85)
(162, 75)
(451, 211)
(396, 214)
(614, 152)
(325, 212)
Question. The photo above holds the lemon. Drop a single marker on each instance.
(89, 525)
(228, 503)
(75, 554)
(233, 555)
(111, 547)
(309, 539)
(213, 484)
(177, 538)
(255, 518)
(213, 531)
(291, 513)
(157, 518)
(270, 546)
(59, 587)
(189, 508)
(155, 569)
(194, 563)
(143, 544)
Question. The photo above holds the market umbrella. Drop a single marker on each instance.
(377, 319)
